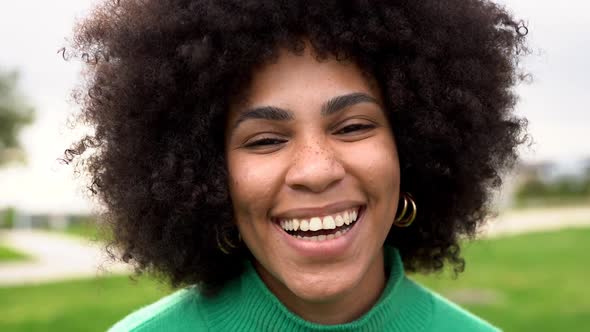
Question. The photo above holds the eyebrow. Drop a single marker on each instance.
(332, 106)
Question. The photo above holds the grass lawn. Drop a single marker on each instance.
(80, 305)
(553, 202)
(11, 255)
(88, 230)
(533, 282)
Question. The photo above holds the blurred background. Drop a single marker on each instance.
(528, 271)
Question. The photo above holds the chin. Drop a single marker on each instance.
(323, 287)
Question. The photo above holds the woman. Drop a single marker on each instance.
(287, 161)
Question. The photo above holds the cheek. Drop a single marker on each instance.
(252, 183)
(377, 165)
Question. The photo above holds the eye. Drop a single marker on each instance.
(264, 142)
(269, 141)
(355, 127)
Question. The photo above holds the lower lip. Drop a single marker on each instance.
(331, 247)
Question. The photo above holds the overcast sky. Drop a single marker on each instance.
(31, 32)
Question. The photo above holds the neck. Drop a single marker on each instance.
(340, 309)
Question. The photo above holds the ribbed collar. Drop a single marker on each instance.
(248, 305)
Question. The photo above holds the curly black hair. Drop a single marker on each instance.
(160, 76)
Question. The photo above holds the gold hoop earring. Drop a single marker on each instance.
(403, 220)
(226, 241)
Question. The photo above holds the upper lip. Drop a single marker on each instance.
(308, 212)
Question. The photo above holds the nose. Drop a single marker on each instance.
(315, 166)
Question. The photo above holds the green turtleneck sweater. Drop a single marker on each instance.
(246, 304)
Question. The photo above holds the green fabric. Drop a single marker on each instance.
(245, 304)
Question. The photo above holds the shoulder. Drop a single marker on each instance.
(448, 316)
(178, 311)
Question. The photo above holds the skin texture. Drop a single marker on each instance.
(314, 164)
(160, 80)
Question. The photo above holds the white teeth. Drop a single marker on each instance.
(317, 238)
(304, 225)
(346, 218)
(318, 223)
(328, 223)
(315, 224)
(339, 221)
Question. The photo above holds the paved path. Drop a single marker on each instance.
(60, 256)
(56, 257)
(540, 219)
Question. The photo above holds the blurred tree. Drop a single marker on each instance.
(562, 188)
(15, 113)
(587, 176)
(532, 188)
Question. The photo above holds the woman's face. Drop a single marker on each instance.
(308, 144)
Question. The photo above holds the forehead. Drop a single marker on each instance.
(302, 80)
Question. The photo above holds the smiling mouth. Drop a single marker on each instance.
(322, 229)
